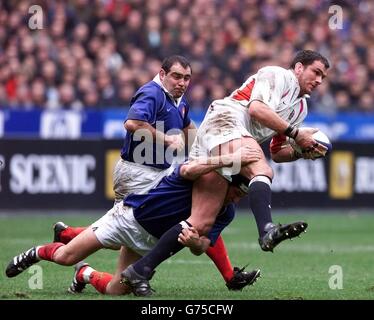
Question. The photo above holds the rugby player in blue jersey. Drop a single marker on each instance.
(157, 124)
(139, 221)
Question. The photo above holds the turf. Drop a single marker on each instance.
(296, 270)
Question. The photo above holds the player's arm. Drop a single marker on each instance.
(266, 97)
(270, 119)
(260, 112)
(196, 168)
(143, 128)
(190, 238)
(189, 134)
(144, 112)
(282, 151)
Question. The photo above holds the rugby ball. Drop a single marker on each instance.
(320, 137)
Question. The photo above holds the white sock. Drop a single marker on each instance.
(86, 274)
(36, 250)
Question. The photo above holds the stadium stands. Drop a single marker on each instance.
(94, 54)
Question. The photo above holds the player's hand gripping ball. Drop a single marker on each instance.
(321, 138)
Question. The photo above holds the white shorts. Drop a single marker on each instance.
(224, 121)
(118, 227)
(130, 177)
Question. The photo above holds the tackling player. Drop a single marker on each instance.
(138, 222)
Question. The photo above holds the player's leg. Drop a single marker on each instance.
(104, 282)
(104, 233)
(208, 194)
(260, 175)
(79, 248)
(128, 178)
(210, 190)
(127, 257)
(235, 278)
(64, 233)
(218, 254)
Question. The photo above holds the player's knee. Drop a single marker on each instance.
(263, 169)
(268, 172)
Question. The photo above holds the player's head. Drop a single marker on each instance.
(175, 75)
(238, 189)
(310, 68)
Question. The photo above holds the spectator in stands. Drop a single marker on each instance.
(80, 36)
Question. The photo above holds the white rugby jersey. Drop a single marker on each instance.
(278, 88)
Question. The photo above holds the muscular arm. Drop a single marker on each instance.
(285, 154)
(198, 167)
(280, 149)
(267, 117)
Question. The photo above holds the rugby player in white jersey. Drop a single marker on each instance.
(270, 104)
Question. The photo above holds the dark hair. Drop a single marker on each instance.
(307, 57)
(170, 61)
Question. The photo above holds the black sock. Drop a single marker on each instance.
(260, 203)
(167, 246)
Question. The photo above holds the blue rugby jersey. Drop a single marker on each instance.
(168, 204)
(150, 104)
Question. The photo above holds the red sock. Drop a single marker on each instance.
(218, 254)
(100, 280)
(70, 233)
(46, 251)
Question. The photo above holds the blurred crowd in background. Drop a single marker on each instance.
(97, 53)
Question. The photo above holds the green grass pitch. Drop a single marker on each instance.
(297, 269)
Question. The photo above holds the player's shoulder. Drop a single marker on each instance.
(150, 88)
(282, 77)
(276, 70)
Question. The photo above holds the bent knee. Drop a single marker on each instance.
(267, 171)
(260, 169)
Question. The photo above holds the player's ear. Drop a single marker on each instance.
(299, 68)
(162, 74)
